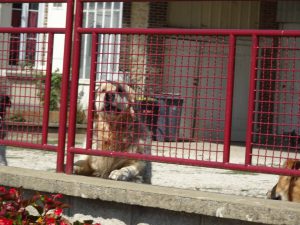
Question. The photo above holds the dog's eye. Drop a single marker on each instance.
(120, 90)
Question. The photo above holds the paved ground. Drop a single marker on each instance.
(190, 177)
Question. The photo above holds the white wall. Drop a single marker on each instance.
(57, 19)
(5, 14)
(5, 21)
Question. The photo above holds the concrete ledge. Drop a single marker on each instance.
(177, 200)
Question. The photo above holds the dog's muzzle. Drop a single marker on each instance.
(274, 195)
(111, 103)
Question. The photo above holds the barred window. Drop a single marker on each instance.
(100, 15)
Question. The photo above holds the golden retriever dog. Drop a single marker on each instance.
(117, 128)
(288, 187)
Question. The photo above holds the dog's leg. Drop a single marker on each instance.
(127, 173)
(82, 167)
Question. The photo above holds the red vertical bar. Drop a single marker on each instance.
(47, 89)
(64, 88)
(251, 98)
(91, 94)
(229, 96)
(74, 87)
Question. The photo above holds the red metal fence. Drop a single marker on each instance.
(198, 91)
(26, 56)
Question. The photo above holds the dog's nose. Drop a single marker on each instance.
(109, 97)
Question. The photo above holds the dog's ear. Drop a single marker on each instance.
(131, 95)
(292, 164)
(130, 92)
(97, 100)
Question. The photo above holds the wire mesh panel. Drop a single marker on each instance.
(23, 69)
(30, 86)
(276, 101)
(179, 89)
(164, 94)
(170, 94)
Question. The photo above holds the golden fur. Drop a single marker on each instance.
(288, 187)
(117, 128)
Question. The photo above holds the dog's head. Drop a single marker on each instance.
(286, 185)
(114, 98)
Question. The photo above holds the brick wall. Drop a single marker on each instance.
(268, 76)
(145, 63)
(157, 19)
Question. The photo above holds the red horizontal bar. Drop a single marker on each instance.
(138, 0)
(29, 1)
(32, 30)
(28, 145)
(173, 31)
(181, 161)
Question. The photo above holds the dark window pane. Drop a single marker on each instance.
(17, 6)
(16, 18)
(14, 49)
(34, 6)
(32, 19)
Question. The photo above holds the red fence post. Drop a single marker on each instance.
(65, 88)
(251, 99)
(229, 96)
(74, 87)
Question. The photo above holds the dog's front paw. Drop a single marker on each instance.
(82, 167)
(80, 170)
(76, 169)
(123, 174)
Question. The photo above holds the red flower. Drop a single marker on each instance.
(12, 191)
(4, 221)
(50, 221)
(58, 211)
(2, 189)
(57, 196)
(63, 223)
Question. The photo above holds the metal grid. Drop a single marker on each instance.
(26, 57)
(183, 92)
(276, 101)
(183, 82)
(20, 83)
(183, 100)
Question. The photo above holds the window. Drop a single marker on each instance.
(23, 46)
(98, 15)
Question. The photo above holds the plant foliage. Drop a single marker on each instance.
(56, 79)
(40, 209)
